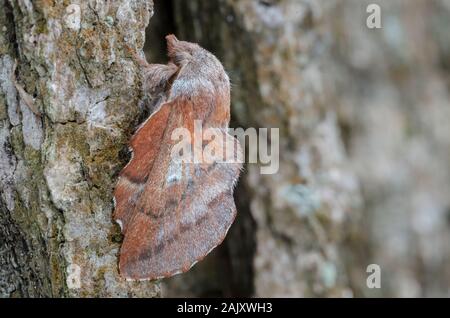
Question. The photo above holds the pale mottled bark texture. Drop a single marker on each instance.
(58, 170)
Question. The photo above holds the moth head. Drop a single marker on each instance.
(195, 62)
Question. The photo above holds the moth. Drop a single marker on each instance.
(172, 213)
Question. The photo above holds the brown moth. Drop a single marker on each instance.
(172, 214)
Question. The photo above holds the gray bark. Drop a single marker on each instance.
(302, 214)
(394, 104)
(58, 170)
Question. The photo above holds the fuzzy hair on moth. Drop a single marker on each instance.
(173, 214)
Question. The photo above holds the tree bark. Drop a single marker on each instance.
(364, 175)
(58, 168)
(393, 106)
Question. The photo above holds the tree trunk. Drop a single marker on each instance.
(364, 175)
(58, 167)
